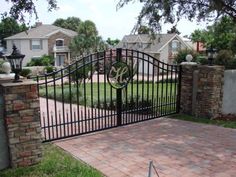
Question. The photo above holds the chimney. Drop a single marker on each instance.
(37, 24)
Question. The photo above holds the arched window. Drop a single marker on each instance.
(175, 45)
(59, 42)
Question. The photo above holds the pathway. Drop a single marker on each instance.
(177, 149)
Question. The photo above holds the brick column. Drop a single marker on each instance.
(187, 88)
(22, 121)
(202, 90)
(209, 91)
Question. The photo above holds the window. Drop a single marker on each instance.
(36, 44)
(60, 59)
(59, 42)
(175, 46)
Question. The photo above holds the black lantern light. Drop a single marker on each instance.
(211, 54)
(15, 60)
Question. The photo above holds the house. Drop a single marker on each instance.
(43, 40)
(164, 47)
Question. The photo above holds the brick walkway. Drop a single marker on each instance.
(177, 148)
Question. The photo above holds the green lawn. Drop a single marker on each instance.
(55, 163)
(223, 123)
(94, 92)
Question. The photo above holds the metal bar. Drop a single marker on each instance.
(47, 106)
(119, 92)
(179, 87)
(147, 97)
(98, 91)
(105, 89)
(137, 98)
(85, 98)
(91, 82)
(77, 97)
(153, 82)
(132, 86)
(167, 86)
(119, 106)
(63, 104)
(143, 87)
(55, 103)
(70, 100)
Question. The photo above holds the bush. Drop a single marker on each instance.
(45, 60)
(202, 60)
(226, 58)
(25, 72)
(49, 69)
(180, 57)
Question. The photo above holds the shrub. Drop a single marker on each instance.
(180, 57)
(49, 69)
(25, 72)
(45, 60)
(226, 58)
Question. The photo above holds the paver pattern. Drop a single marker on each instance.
(177, 149)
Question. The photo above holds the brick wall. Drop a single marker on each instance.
(58, 35)
(202, 90)
(21, 114)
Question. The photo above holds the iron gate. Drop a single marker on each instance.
(104, 90)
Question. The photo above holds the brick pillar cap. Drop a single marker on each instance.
(12, 84)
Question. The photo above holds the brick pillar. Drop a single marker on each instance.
(186, 88)
(202, 90)
(209, 91)
(22, 121)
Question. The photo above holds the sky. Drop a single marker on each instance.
(109, 21)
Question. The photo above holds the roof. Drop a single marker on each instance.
(42, 31)
(149, 45)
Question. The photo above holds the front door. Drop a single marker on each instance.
(60, 60)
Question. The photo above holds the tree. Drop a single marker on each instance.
(9, 27)
(154, 12)
(87, 40)
(71, 23)
(112, 42)
(22, 7)
(221, 35)
(143, 30)
(173, 30)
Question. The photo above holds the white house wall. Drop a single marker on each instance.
(24, 47)
(144, 63)
(164, 54)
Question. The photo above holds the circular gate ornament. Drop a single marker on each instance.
(119, 75)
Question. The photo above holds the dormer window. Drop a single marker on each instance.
(60, 42)
(175, 45)
(140, 45)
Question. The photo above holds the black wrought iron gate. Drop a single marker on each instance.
(104, 90)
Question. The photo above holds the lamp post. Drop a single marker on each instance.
(211, 54)
(15, 60)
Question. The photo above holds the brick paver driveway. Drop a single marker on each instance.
(177, 149)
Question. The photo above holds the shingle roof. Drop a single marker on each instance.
(149, 45)
(43, 31)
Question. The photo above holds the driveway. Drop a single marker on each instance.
(177, 149)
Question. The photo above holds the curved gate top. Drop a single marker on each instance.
(104, 90)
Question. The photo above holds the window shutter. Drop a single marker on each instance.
(41, 44)
(30, 43)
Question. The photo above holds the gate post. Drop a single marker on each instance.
(22, 122)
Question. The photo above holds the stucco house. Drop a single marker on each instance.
(43, 40)
(163, 47)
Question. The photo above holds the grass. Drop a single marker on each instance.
(222, 123)
(93, 92)
(55, 163)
